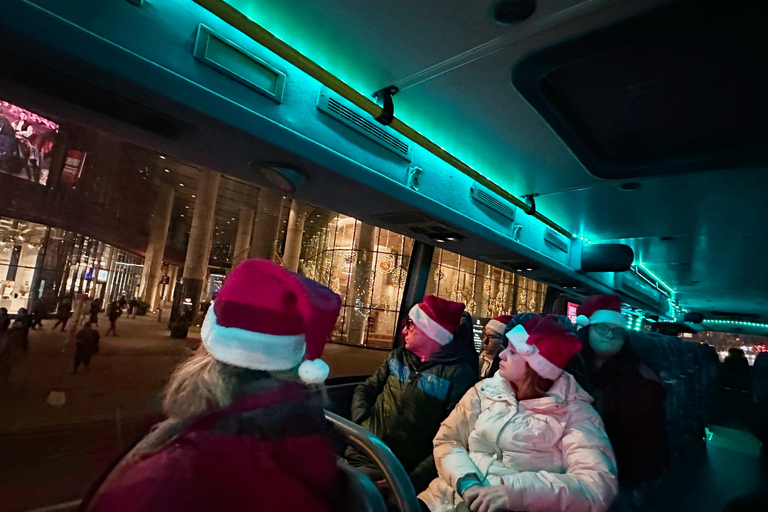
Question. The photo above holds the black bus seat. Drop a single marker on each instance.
(364, 441)
(362, 495)
(689, 374)
(339, 393)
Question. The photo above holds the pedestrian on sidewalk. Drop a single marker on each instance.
(113, 313)
(63, 313)
(84, 311)
(132, 306)
(86, 344)
(39, 311)
(95, 308)
(20, 330)
(5, 320)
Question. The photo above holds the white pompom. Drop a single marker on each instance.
(313, 372)
(582, 321)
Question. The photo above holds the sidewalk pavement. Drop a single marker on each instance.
(52, 454)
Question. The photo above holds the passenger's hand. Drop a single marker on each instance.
(471, 494)
(488, 499)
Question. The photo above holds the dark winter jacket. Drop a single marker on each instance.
(405, 401)
(88, 339)
(630, 399)
(270, 451)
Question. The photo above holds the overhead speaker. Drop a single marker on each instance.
(606, 257)
(693, 317)
(512, 11)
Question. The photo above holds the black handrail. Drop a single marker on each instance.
(379, 453)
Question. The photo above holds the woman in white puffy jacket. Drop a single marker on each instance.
(526, 439)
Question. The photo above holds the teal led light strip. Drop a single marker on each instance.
(735, 322)
(658, 280)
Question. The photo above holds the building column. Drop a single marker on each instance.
(158, 233)
(479, 292)
(294, 235)
(265, 226)
(243, 238)
(173, 274)
(200, 238)
(365, 243)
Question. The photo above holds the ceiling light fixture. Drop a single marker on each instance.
(279, 176)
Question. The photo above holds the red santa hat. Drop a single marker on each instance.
(601, 309)
(499, 323)
(267, 318)
(545, 344)
(437, 318)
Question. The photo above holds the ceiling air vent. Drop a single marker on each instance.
(492, 201)
(364, 124)
(556, 240)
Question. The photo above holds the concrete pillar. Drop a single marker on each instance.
(243, 238)
(200, 238)
(359, 289)
(173, 274)
(479, 293)
(266, 224)
(158, 233)
(294, 235)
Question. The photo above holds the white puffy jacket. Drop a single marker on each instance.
(552, 452)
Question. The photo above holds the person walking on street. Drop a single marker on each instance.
(39, 311)
(95, 308)
(86, 344)
(132, 305)
(20, 328)
(63, 313)
(113, 313)
(5, 320)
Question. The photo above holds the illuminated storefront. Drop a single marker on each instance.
(368, 266)
(42, 262)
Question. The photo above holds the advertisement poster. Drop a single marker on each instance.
(26, 140)
(73, 166)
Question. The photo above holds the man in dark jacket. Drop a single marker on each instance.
(415, 389)
(86, 344)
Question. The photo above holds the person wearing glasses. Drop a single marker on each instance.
(414, 390)
(628, 395)
(493, 344)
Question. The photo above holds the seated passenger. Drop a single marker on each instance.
(628, 395)
(735, 372)
(526, 438)
(404, 402)
(493, 344)
(243, 433)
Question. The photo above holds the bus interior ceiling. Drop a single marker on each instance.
(657, 141)
(465, 82)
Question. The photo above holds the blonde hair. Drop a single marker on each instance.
(198, 384)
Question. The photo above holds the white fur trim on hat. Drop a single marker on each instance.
(434, 330)
(517, 336)
(607, 316)
(314, 371)
(253, 350)
(582, 321)
(530, 353)
(495, 325)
